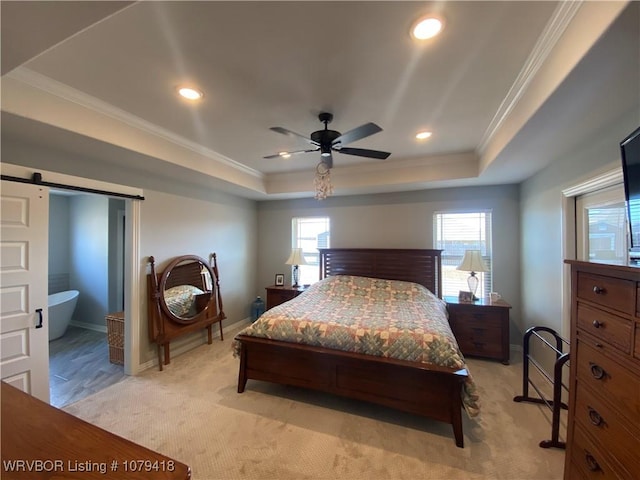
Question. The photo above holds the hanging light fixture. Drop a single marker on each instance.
(322, 182)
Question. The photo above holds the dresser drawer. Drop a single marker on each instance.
(610, 328)
(277, 295)
(483, 347)
(614, 293)
(598, 419)
(609, 379)
(481, 317)
(589, 459)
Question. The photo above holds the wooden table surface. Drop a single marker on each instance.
(40, 441)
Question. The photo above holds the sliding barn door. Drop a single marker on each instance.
(24, 329)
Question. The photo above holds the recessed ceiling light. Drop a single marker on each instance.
(423, 135)
(426, 27)
(284, 154)
(190, 93)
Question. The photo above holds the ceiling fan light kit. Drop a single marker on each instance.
(322, 181)
(326, 141)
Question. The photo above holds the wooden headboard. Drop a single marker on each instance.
(411, 265)
(186, 274)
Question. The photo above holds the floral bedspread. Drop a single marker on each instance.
(386, 318)
(181, 299)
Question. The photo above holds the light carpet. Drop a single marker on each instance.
(192, 412)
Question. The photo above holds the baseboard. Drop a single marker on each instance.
(178, 348)
(89, 326)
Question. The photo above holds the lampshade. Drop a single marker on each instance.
(296, 257)
(472, 262)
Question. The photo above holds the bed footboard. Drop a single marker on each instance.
(389, 382)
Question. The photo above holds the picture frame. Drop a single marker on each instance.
(465, 296)
(279, 279)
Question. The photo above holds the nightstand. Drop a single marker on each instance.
(481, 328)
(280, 294)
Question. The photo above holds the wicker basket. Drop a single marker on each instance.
(115, 337)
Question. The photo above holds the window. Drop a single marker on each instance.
(601, 226)
(456, 232)
(310, 234)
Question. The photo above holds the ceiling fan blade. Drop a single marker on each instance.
(284, 131)
(363, 152)
(292, 153)
(357, 133)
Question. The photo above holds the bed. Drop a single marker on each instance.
(404, 365)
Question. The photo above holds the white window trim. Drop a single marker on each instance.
(608, 178)
(489, 233)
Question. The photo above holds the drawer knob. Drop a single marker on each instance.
(597, 371)
(594, 417)
(597, 324)
(598, 290)
(592, 463)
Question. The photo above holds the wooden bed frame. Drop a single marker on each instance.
(428, 390)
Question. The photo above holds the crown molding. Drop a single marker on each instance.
(65, 92)
(606, 179)
(557, 24)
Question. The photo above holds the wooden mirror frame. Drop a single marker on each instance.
(164, 325)
(185, 278)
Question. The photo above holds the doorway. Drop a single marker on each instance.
(86, 251)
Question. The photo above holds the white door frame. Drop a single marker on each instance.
(132, 302)
(606, 179)
(120, 232)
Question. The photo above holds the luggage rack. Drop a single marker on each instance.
(555, 379)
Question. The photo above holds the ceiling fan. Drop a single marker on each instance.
(327, 141)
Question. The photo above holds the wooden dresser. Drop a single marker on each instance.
(603, 438)
(42, 442)
(481, 328)
(279, 294)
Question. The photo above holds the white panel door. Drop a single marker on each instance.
(24, 328)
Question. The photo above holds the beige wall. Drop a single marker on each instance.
(396, 220)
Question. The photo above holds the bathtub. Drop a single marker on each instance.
(61, 307)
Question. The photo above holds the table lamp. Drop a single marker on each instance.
(296, 258)
(472, 262)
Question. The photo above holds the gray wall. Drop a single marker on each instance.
(176, 218)
(173, 225)
(542, 229)
(88, 261)
(397, 220)
(82, 253)
(58, 243)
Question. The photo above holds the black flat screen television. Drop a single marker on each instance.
(630, 152)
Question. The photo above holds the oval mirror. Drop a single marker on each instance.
(186, 288)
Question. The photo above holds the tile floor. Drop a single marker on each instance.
(79, 366)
